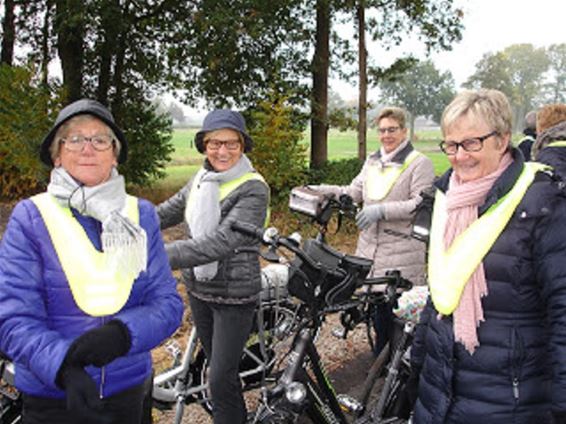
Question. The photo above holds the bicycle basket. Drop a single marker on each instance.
(332, 280)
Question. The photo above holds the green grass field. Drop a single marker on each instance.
(186, 160)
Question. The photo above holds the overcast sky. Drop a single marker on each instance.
(489, 26)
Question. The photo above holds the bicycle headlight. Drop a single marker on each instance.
(295, 392)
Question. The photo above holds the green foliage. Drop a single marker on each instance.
(518, 71)
(338, 172)
(555, 90)
(278, 155)
(149, 141)
(422, 90)
(342, 119)
(25, 117)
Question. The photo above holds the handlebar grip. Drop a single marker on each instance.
(248, 229)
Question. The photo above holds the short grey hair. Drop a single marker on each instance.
(396, 113)
(487, 105)
(62, 132)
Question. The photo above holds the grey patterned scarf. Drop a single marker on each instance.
(204, 214)
(123, 241)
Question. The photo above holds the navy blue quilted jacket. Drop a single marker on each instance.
(518, 373)
(39, 318)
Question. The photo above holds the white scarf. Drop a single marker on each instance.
(386, 158)
(204, 216)
(124, 241)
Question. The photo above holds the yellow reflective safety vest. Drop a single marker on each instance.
(97, 287)
(557, 144)
(229, 187)
(380, 180)
(449, 270)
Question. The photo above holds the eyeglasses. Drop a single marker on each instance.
(389, 130)
(76, 143)
(474, 144)
(214, 144)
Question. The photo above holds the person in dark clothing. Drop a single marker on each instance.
(222, 279)
(86, 290)
(491, 343)
(550, 145)
(530, 132)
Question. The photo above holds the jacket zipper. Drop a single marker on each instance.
(516, 351)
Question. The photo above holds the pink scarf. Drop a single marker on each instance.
(462, 201)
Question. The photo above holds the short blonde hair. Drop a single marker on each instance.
(489, 106)
(63, 130)
(550, 115)
(396, 113)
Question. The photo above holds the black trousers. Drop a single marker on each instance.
(132, 406)
(223, 331)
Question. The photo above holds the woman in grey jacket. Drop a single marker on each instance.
(223, 282)
(389, 185)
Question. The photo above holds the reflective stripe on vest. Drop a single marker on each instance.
(449, 271)
(96, 286)
(229, 187)
(557, 144)
(380, 180)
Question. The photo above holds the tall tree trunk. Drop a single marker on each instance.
(111, 24)
(9, 33)
(118, 100)
(363, 88)
(45, 44)
(70, 45)
(319, 101)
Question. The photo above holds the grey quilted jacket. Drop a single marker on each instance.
(388, 242)
(238, 278)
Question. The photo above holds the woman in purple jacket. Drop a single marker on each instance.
(86, 290)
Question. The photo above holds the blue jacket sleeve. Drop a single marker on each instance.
(160, 311)
(25, 334)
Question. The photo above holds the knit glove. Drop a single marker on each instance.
(83, 401)
(368, 215)
(100, 346)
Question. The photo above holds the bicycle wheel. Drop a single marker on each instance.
(258, 365)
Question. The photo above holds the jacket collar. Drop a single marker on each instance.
(501, 186)
(399, 157)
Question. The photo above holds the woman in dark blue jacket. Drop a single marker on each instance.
(491, 344)
(86, 290)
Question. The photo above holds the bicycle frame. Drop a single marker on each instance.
(316, 395)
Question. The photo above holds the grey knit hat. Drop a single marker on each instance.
(223, 118)
(83, 107)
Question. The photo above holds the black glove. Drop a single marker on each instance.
(559, 417)
(83, 400)
(100, 346)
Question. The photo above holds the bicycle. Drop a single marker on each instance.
(186, 380)
(325, 281)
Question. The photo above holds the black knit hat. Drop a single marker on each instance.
(83, 107)
(223, 118)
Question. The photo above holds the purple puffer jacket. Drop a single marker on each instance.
(39, 318)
